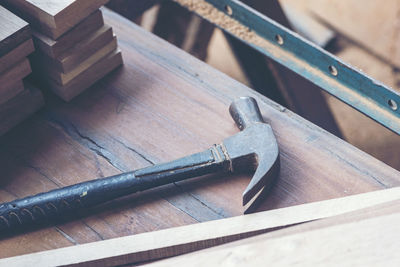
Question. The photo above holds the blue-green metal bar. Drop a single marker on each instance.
(338, 78)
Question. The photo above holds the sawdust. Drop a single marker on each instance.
(219, 18)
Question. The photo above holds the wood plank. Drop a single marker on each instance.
(55, 48)
(14, 74)
(54, 18)
(161, 105)
(16, 55)
(358, 239)
(180, 240)
(7, 93)
(13, 31)
(19, 108)
(68, 60)
(88, 77)
(65, 78)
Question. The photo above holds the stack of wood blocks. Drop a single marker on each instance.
(74, 46)
(17, 99)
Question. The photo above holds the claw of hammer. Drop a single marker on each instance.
(255, 146)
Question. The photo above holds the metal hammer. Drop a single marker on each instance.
(253, 148)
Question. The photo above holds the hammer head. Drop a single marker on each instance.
(254, 148)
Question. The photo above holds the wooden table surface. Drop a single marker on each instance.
(163, 104)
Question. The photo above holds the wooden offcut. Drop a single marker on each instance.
(54, 48)
(176, 241)
(15, 73)
(86, 78)
(19, 108)
(64, 78)
(71, 58)
(16, 55)
(13, 31)
(54, 18)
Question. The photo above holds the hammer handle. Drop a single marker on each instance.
(60, 202)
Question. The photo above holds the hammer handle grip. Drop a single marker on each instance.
(59, 202)
(245, 112)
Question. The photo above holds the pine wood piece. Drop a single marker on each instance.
(15, 73)
(161, 105)
(8, 93)
(64, 78)
(71, 58)
(19, 108)
(13, 31)
(368, 239)
(181, 240)
(88, 77)
(55, 48)
(54, 18)
(16, 55)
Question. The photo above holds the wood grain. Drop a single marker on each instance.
(54, 18)
(180, 240)
(19, 108)
(7, 93)
(14, 74)
(65, 78)
(16, 55)
(13, 31)
(68, 60)
(367, 239)
(161, 105)
(55, 48)
(83, 79)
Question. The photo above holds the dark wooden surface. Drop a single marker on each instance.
(163, 104)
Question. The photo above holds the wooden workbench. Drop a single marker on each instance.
(163, 104)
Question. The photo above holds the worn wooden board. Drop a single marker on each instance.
(7, 93)
(55, 48)
(13, 31)
(88, 76)
(54, 18)
(179, 240)
(68, 60)
(64, 78)
(367, 238)
(14, 74)
(19, 108)
(16, 55)
(161, 105)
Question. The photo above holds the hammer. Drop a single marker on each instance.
(253, 148)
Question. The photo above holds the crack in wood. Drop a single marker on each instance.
(72, 130)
